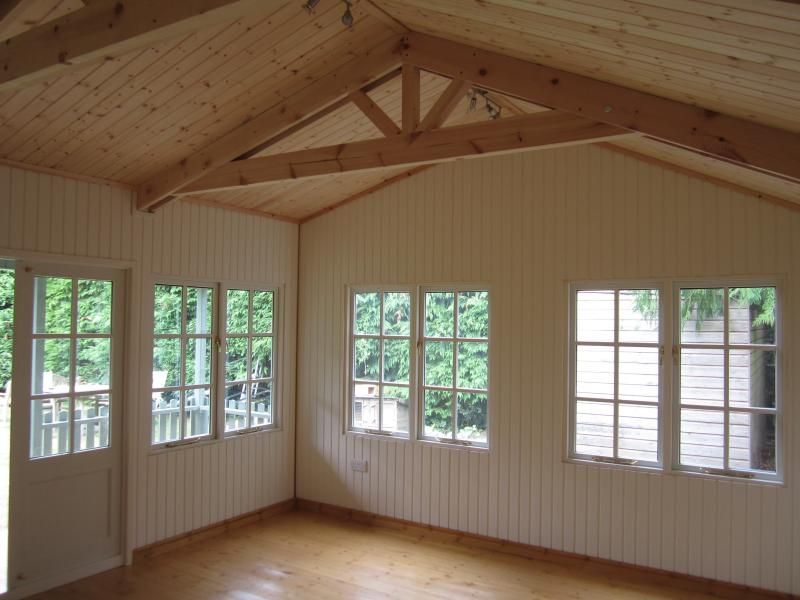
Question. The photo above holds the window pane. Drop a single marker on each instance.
(197, 412)
(473, 365)
(236, 359)
(396, 360)
(367, 313)
(471, 415)
(236, 311)
(94, 306)
(365, 405)
(638, 432)
(752, 378)
(752, 442)
(639, 316)
(473, 314)
(235, 407)
(366, 359)
(261, 359)
(49, 427)
(397, 313)
(439, 316)
(94, 364)
(261, 404)
(701, 316)
(199, 310)
(51, 366)
(166, 417)
(702, 376)
(166, 362)
(438, 413)
(638, 374)
(91, 422)
(263, 303)
(439, 363)
(395, 409)
(198, 361)
(752, 315)
(595, 372)
(167, 309)
(52, 311)
(594, 428)
(702, 438)
(595, 316)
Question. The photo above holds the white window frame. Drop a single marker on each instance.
(214, 335)
(616, 287)
(669, 377)
(223, 337)
(351, 381)
(454, 389)
(726, 346)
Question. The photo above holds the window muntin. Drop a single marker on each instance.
(727, 379)
(249, 359)
(183, 362)
(616, 372)
(380, 361)
(71, 365)
(455, 366)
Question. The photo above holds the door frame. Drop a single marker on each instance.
(132, 458)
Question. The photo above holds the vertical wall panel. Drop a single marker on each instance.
(180, 489)
(527, 224)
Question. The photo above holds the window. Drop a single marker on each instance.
(719, 395)
(727, 380)
(615, 366)
(380, 359)
(71, 365)
(455, 365)
(183, 326)
(249, 368)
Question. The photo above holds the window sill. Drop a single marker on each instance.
(454, 445)
(208, 441)
(378, 436)
(659, 470)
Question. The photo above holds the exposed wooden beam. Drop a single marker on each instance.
(444, 105)
(374, 113)
(10, 10)
(729, 138)
(324, 91)
(303, 123)
(109, 28)
(410, 100)
(545, 129)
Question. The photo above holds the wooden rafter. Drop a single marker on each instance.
(546, 129)
(324, 91)
(411, 98)
(728, 138)
(444, 105)
(108, 28)
(374, 113)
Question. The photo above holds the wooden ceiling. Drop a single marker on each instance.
(124, 118)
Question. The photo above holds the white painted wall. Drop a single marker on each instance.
(177, 490)
(526, 224)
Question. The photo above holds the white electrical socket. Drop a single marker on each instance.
(358, 465)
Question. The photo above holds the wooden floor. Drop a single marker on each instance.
(309, 555)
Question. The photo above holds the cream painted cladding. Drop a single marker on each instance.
(179, 489)
(527, 224)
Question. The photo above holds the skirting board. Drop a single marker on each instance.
(586, 564)
(212, 530)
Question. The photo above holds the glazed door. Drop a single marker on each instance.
(65, 514)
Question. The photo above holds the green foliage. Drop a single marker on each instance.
(703, 304)
(6, 324)
(440, 322)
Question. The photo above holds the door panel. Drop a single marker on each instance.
(66, 432)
